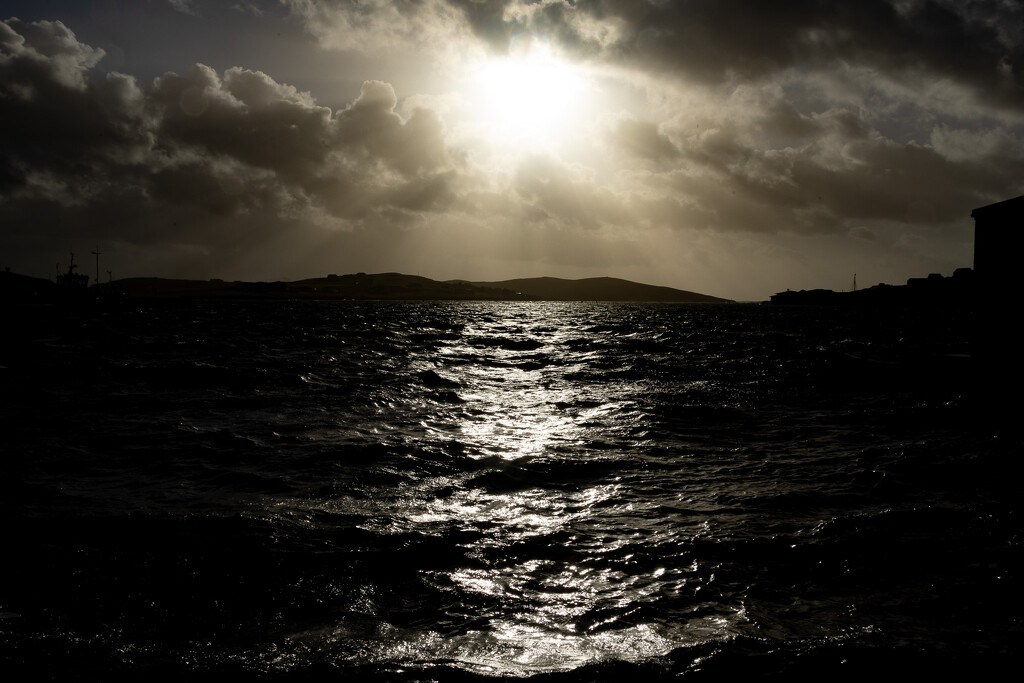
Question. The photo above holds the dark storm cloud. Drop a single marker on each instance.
(642, 139)
(216, 145)
(245, 116)
(833, 174)
(823, 112)
(979, 44)
(706, 123)
(51, 115)
(487, 20)
(563, 196)
(377, 24)
(372, 125)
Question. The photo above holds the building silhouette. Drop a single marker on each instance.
(998, 243)
(998, 239)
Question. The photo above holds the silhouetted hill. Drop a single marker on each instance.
(385, 286)
(24, 287)
(379, 286)
(599, 289)
(399, 286)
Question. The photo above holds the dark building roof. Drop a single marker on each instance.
(1003, 208)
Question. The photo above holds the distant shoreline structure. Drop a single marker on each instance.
(366, 287)
(997, 244)
(934, 289)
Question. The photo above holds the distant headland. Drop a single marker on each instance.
(358, 286)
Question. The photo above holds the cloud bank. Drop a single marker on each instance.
(200, 147)
(740, 139)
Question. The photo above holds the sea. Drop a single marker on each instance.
(504, 491)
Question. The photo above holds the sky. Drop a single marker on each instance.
(736, 148)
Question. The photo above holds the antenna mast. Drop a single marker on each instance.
(97, 253)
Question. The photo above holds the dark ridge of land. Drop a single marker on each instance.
(599, 289)
(935, 290)
(359, 286)
(380, 286)
(25, 287)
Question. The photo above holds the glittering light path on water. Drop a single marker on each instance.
(552, 578)
(470, 491)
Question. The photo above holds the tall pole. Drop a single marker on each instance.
(97, 253)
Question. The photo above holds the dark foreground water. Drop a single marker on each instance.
(481, 491)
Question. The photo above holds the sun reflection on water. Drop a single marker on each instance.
(521, 425)
(545, 580)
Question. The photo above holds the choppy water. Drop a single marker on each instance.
(477, 491)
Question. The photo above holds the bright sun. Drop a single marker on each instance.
(530, 97)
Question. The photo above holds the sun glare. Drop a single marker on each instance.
(529, 97)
